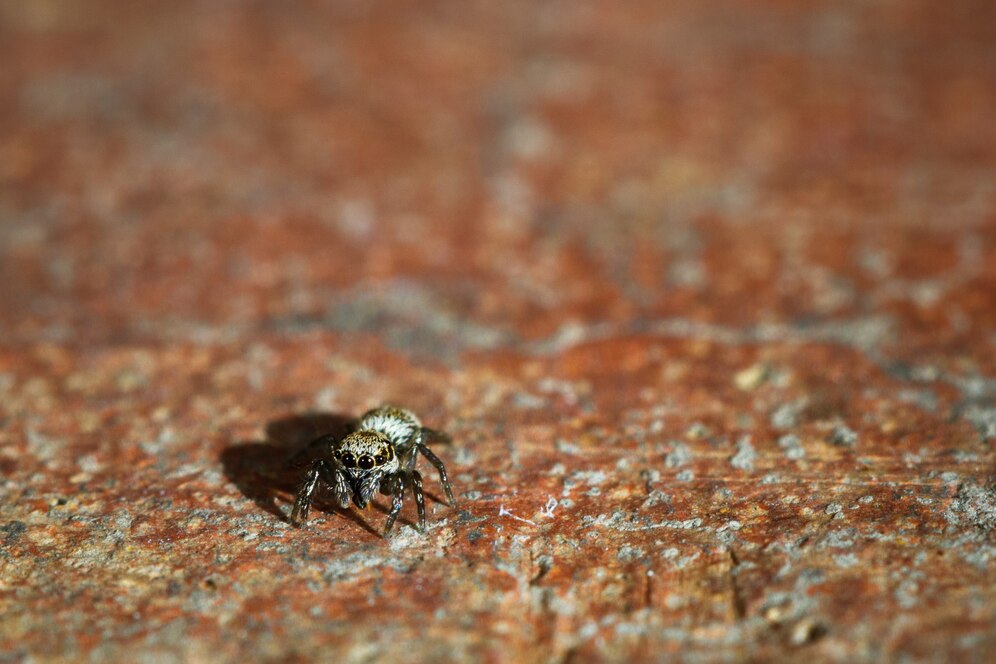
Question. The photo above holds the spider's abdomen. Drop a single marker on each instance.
(399, 425)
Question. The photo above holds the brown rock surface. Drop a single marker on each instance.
(705, 293)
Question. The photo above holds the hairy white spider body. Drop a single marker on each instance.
(399, 425)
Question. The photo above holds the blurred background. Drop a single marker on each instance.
(617, 246)
(468, 175)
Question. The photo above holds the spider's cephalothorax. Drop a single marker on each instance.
(379, 455)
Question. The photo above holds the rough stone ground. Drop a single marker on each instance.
(705, 293)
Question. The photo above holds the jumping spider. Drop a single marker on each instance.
(379, 455)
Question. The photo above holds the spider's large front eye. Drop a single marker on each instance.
(366, 462)
(348, 460)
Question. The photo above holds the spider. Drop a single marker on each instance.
(379, 454)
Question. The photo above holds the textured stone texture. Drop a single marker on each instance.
(705, 293)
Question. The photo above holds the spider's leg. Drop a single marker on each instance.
(397, 499)
(304, 493)
(416, 480)
(438, 463)
(334, 474)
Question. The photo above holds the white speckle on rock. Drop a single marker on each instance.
(679, 455)
(745, 456)
(846, 560)
(787, 415)
(843, 436)
(792, 446)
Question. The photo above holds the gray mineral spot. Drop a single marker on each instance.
(792, 445)
(678, 456)
(842, 436)
(12, 531)
(975, 504)
(629, 553)
(983, 418)
(745, 456)
(846, 560)
(787, 415)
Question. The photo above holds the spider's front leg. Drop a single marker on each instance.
(320, 470)
(336, 476)
(303, 501)
(416, 480)
(393, 486)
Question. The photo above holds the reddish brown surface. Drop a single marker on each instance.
(705, 293)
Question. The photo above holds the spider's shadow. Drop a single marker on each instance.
(267, 470)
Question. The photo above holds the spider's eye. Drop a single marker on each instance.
(380, 459)
(366, 462)
(348, 460)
